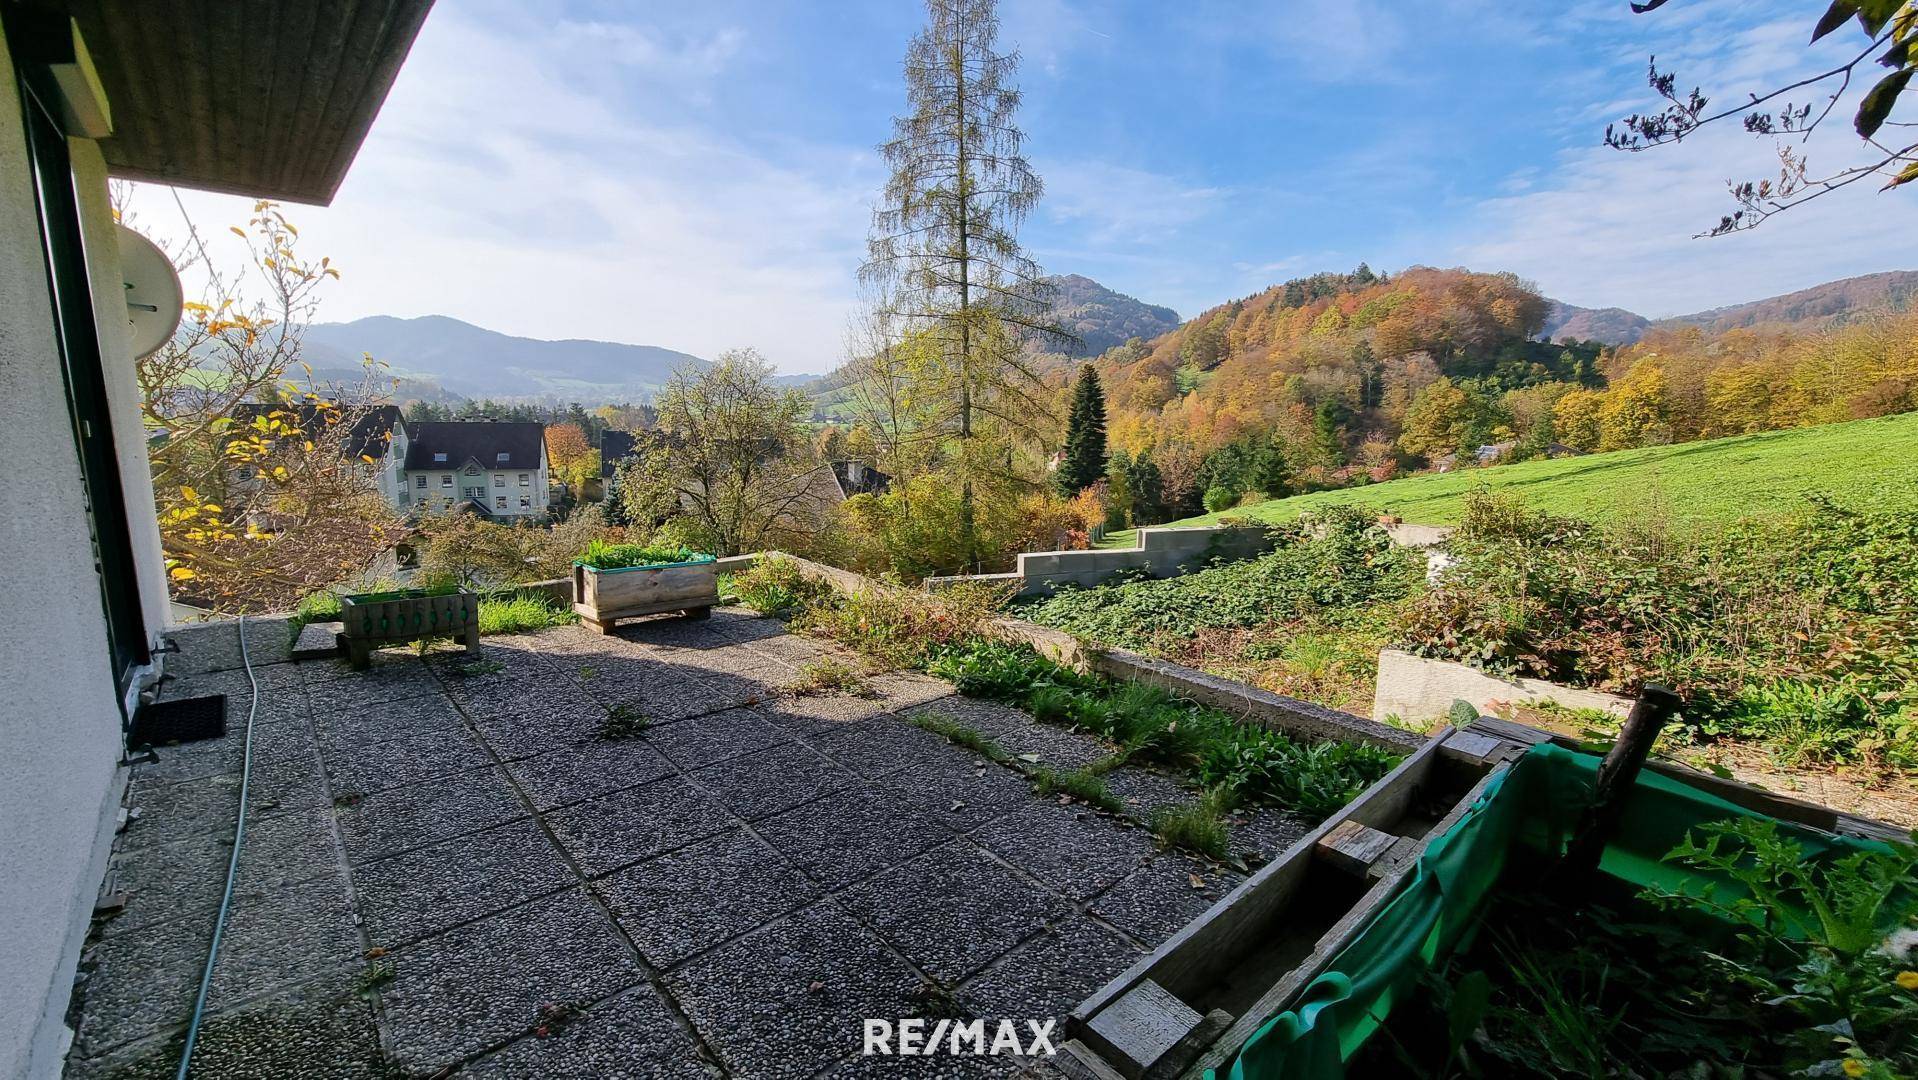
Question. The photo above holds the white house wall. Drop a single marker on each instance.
(59, 724)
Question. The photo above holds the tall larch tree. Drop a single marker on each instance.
(1084, 461)
(943, 259)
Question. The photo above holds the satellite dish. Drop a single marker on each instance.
(153, 293)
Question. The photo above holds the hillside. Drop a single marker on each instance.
(474, 362)
(1101, 318)
(1820, 306)
(1719, 480)
(1612, 325)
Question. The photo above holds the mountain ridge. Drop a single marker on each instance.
(1825, 304)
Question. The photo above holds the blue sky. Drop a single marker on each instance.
(700, 176)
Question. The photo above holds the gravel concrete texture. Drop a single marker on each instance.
(1158, 898)
(954, 909)
(1080, 854)
(486, 983)
(851, 835)
(418, 893)
(702, 895)
(788, 1000)
(1051, 974)
(630, 1037)
(586, 770)
(778, 778)
(729, 893)
(620, 829)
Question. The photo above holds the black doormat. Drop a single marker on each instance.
(183, 720)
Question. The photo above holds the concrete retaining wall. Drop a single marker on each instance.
(1161, 552)
(1419, 690)
(1248, 703)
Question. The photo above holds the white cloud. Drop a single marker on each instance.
(512, 182)
(1119, 206)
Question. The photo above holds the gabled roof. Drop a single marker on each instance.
(613, 445)
(481, 441)
(368, 436)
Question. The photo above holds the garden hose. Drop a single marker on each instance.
(232, 864)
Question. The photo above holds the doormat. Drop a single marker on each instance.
(182, 720)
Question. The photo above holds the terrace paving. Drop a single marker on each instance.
(448, 870)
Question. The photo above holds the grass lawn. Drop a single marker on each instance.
(1864, 461)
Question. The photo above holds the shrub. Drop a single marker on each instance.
(518, 614)
(1218, 499)
(773, 585)
(900, 627)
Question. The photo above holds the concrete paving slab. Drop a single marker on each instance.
(708, 740)
(489, 982)
(1154, 901)
(880, 745)
(400, 819)
(788, 1000)
(627, 826)
(631, 1035)
(411, 759)
(587, 770)
(418, 893)
(163, 883)
(765, 782)
(1051, 974)
(959, 791)
(702, 895)
(1078, 854)
(954, 909)
(850, 835)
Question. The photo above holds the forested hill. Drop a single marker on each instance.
(1100, 318)
(1821, 306)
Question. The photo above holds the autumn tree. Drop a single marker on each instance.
(570, 457)
(1792, 113)
(263, 472)
(729, 459)
(943, 259)
(1084, 460)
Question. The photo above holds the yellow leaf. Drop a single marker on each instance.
(187, 493)
(181, 573)
(237, 231)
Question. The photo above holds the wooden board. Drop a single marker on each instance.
(605, 596)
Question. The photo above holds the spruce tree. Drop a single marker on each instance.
(1084, 461)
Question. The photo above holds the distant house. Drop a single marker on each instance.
(378, 433)
(614, 447)
(1493, 453)
(859, 478)
(495, 469)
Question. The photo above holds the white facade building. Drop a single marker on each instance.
(496, 469)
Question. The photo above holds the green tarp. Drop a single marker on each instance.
(1534, 805)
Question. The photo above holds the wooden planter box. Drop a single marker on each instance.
(371, 620)
(603, 597)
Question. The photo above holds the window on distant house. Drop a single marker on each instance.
(419, 482)
(439, 457)
(502, 457)
(475, 493)
(525, 480)
(446, 479)
(499, 481)
(472, 470)
(525, 502)
(499, 502)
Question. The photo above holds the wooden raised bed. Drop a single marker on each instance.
(603, 597)
(1198, 997)
(370, 620)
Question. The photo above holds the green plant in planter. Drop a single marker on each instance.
(1828, 941)
(601, 555)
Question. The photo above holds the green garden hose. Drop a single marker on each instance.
(232, 864)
